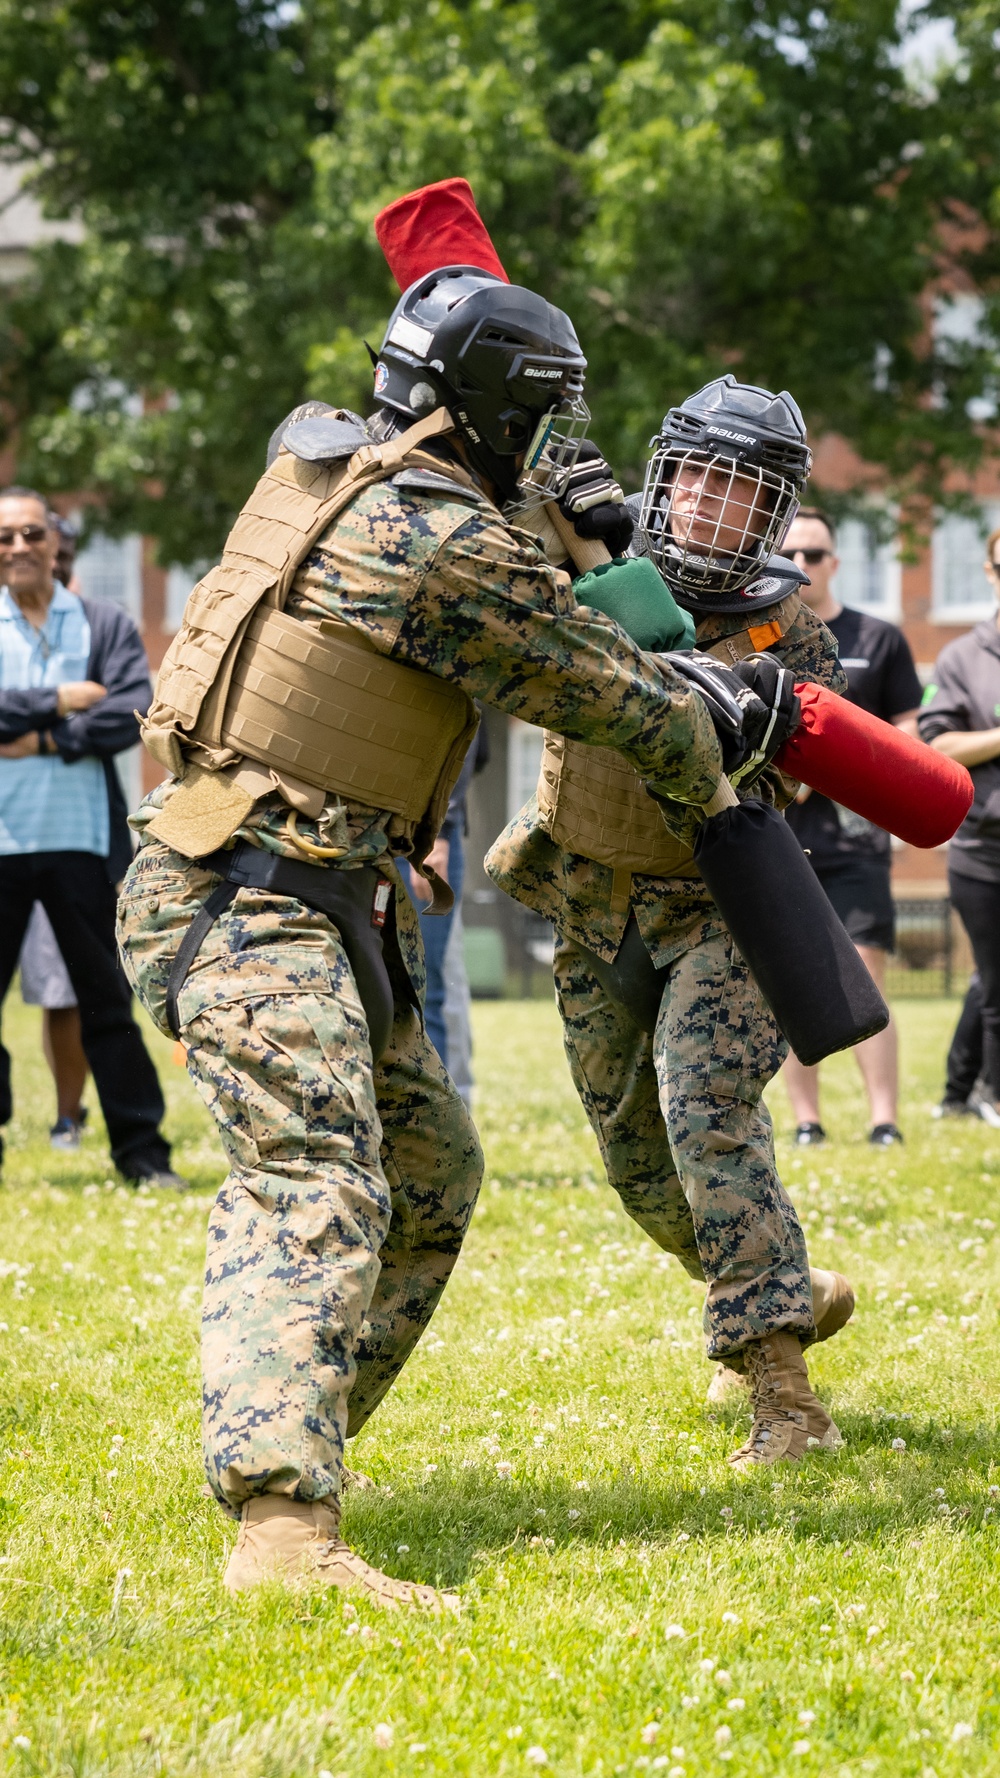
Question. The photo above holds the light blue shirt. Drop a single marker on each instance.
(45, 804)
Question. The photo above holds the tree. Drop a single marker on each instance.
(703, 184)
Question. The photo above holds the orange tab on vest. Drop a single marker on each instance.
(762, 635)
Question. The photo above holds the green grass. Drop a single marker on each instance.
(547, 1453)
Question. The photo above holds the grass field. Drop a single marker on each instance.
(629, 1604)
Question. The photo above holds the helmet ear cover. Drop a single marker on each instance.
(500, 359)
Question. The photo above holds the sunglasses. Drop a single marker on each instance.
(30, 533)
(811, 557)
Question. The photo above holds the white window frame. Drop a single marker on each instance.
(969, 611)
(524, 753)
(890, 571)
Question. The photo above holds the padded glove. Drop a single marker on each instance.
(773, 686)
(729, 700)
(594, 503)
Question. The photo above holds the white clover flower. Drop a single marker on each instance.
(725, 1512)
(22, 1742)
(352, 1629)
(402, 1549)
(899, 1444)
(573, 1513)
(807, 1718)
(730, 1617)
(724, 1679)
(382, 1734)
(675, 1632)
(723, 1735)
(677, 1753)
(582, 1485)
(650, 1733)
(736, 1704)
(800, 1746)
(907, 1677)
(505, 1470)
(536, 1756)
(962, 1731)
(709, 1664)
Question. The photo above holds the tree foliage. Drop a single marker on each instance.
(703, 184)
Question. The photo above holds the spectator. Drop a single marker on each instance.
(964, 1094)
(44, 978)
(850, 856)
(72, 674)
(959, 719)
(45, 982)
(447, 857)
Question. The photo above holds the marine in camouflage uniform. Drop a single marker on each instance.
(685, 1137)
(351, 1186)
(684, 1134)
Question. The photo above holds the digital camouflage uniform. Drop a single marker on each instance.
(350, 1192)
(685, 1137)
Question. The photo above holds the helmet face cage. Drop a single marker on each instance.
(711, 519)
(554, 449)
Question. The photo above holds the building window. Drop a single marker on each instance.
(868, 578)
(181, 582)
(961, 593)
(111, 568)
(524, 757)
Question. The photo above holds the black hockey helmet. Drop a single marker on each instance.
(722, 487)
(505, 363)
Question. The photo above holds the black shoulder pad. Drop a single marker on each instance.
(427, 481)
(323, 439)
(789, 571)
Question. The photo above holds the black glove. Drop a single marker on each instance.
(773, 686)
(726, 697)
(594, 504)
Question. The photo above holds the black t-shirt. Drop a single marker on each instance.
(881, 679)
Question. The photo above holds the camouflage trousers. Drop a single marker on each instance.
(350, 1188)
(685, 1138)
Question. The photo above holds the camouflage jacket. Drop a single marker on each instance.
(433, 575)
(673, 913)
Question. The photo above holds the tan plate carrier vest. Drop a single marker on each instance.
(593, 802)
(250, 700)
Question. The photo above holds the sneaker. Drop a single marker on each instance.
(954, 1108)
(809, 1135)
(65, 1133)
(140, 1171)
(283, 1539)
(884, 1135)
(981, 1105)
(788, 1419)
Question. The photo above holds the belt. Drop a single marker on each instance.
(346, 897)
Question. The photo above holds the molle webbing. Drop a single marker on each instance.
(321, 705)
(289, 509)
(594, 801)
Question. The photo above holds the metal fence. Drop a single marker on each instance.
(924, 959)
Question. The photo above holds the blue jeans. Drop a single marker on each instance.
(436, 931)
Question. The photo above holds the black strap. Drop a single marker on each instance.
(191, 944)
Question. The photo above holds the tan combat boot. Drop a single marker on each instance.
(833, 1306)
(288, 1539)
(788, 1420)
